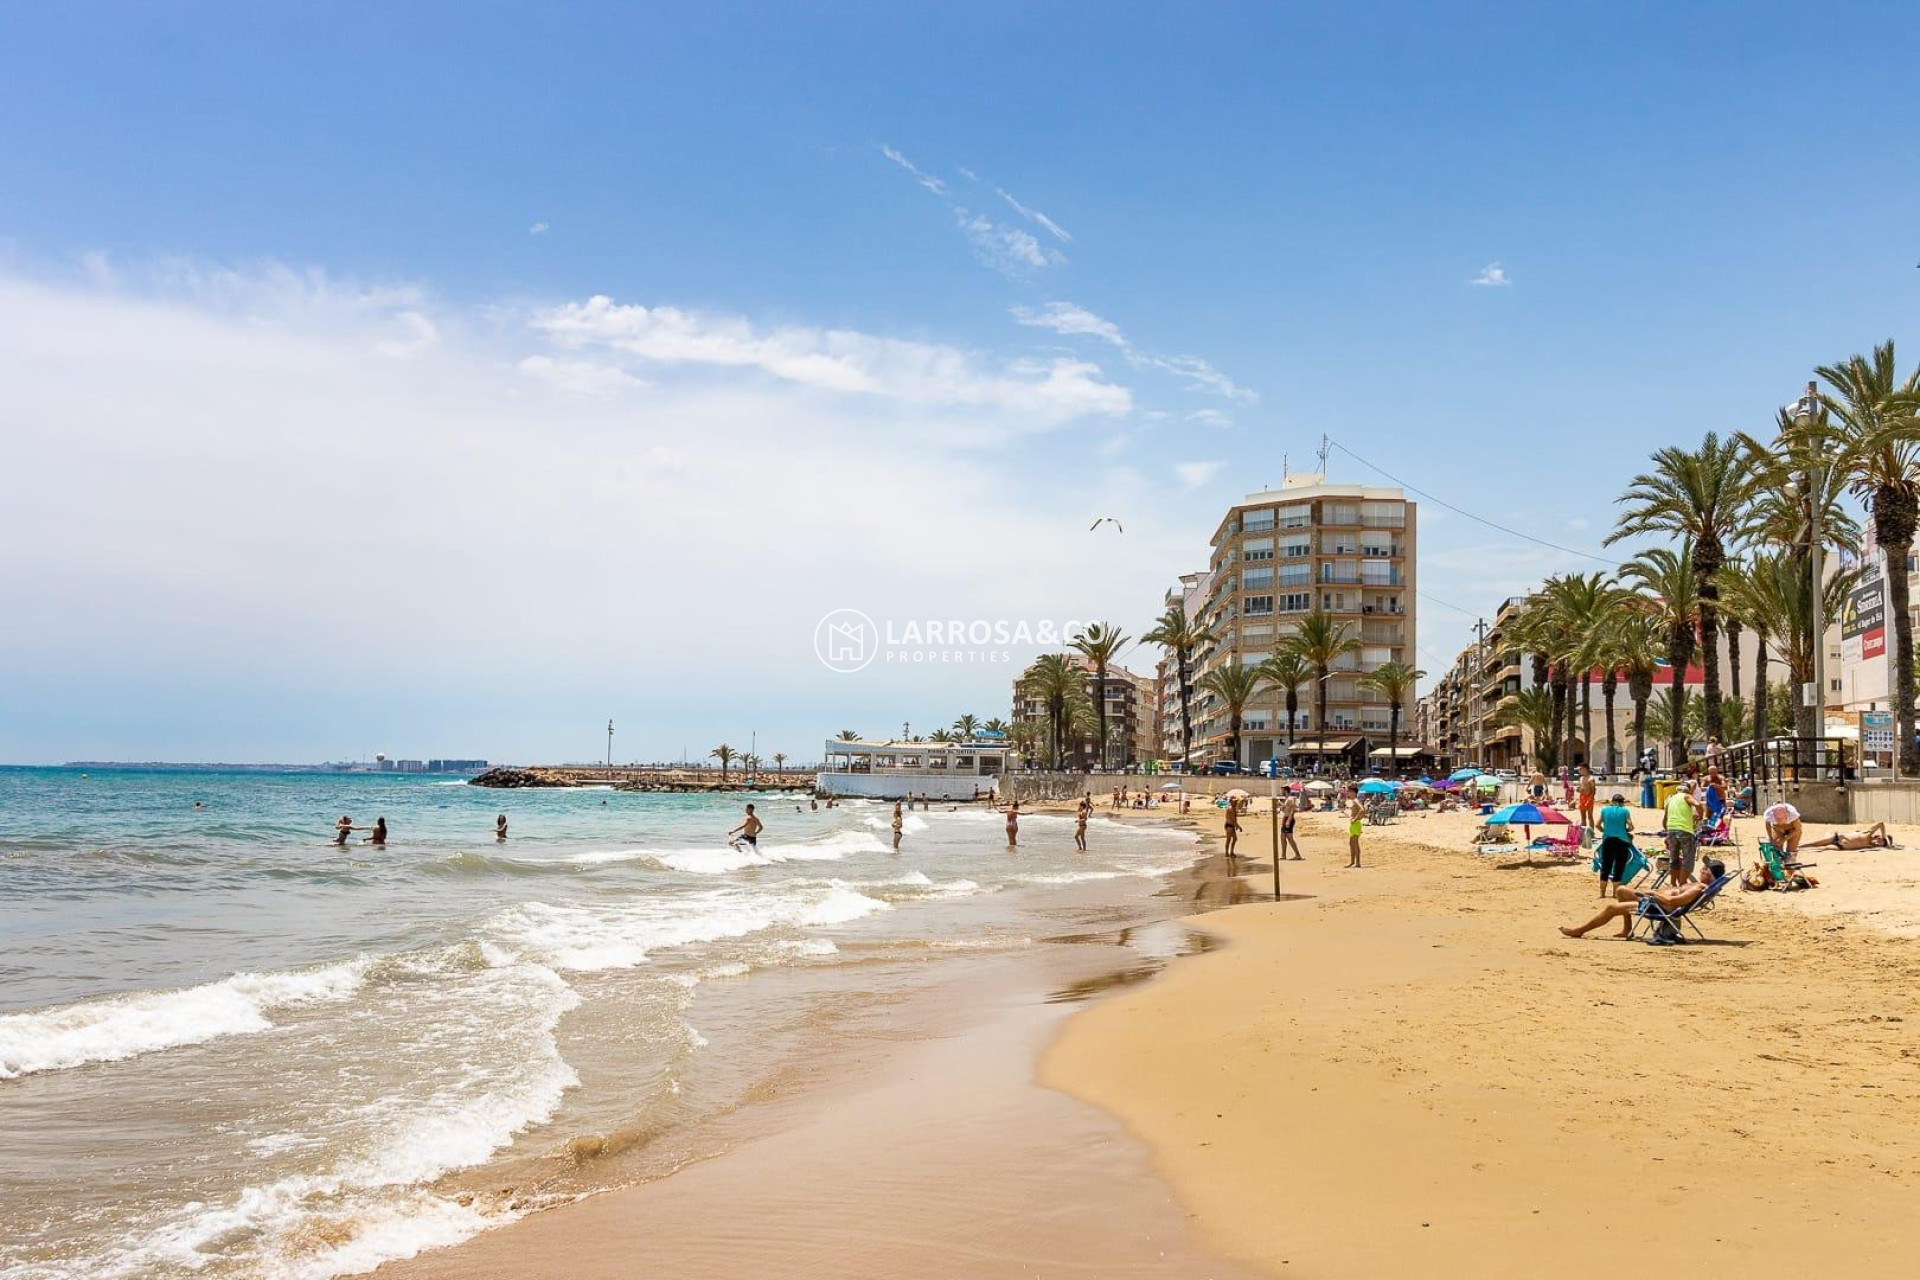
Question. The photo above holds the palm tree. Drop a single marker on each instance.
(1580, 604)
(1777, 594)
(1393, 681)
(1875, 418)
(1286, 671)
(1629, 645)
(724, 754)
(1740, 591)
(1099, 644)
(749, 764)
(1235, 685)
(848, 735)
(995, 725)
(1699, 496)
(1532, 710)
(1180, 636)
(779, 761)
(1053, 681)
(1320, 642)
(965, 727)
(939, 735)
(1675, 714)
(1667, 577)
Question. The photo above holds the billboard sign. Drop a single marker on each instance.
(1876, 731)
(1865, 619)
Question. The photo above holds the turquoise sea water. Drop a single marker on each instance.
(229, 1047)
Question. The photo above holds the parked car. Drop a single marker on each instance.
(1225, 768)
(1272, 768)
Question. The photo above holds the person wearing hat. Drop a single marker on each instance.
(1616, 843)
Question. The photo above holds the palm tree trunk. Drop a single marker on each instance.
(1760, 725)
(1293, 713)
(1586, 720)
(1320, 706)
(1639, 729)
(1610, 686)
(1733, 653)
(1393, 738)
(1902, 692)
(1710, 653)
(1677, 731)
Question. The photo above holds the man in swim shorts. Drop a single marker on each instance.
(1628, 904)
(1356, 819)
(748, 830)
(1874, 837)
(1783, 827)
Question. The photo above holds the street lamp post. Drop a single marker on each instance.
(609, 744)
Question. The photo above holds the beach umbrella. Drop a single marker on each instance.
(1446, 784)
(1238, 793)
(1317, 785)
(1461, 775)
(1527, 815)
(1169, 786)
(1376, 787)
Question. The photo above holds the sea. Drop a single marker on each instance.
(229, 1047)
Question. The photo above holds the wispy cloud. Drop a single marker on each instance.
(1211, 418)
(582, 379)
(1493, 275)
(538, 229)
(1034, 215)
(926, 180)
(841, 361)
(1069, 320)
(1006, 249)
(1195, 474)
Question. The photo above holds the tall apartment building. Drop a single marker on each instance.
(1191, 595)
(1132, 717)
(1348, 550)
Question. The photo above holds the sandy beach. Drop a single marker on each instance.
(1413, 1072)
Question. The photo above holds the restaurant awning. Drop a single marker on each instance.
(1332, 746)
(1399, 753)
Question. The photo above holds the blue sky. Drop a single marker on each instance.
(324, 449)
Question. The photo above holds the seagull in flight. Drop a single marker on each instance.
(1105, 520)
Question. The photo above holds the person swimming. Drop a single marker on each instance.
(500, 827)
(377, 836)
(342, 829)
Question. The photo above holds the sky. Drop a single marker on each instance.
(448, 379)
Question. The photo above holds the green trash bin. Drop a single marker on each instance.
(1663, 790)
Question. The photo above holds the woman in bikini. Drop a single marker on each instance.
(1287, 841)
(1013, 825)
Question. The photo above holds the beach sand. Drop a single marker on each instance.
(1412, 1073)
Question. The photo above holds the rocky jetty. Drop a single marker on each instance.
(521, 778)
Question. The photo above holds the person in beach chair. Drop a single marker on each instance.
(1775, 871)
(1668, 906)
(1717, 833)
(1874, 837)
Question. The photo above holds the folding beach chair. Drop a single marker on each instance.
(1719, 833)
(1569, 846)
(1636, 867)
(1778, 868)
(1664, 926)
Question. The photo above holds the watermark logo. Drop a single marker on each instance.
(846, 640)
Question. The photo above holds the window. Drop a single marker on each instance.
(1259, 554)
(1256, 579)
(1379, 573)
(1297, 516)
(1295, 575)
(1296, 602)
(1258, 521)
(1296, 548)
(1257, 605)
(1383, 515)
(1339, 513)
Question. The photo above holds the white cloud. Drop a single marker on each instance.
(1022, 394)
(968, 174)
(272, 471)
(1195, 474)
(1034, 215)
(1578, 523)
(926, 180)
(1492, 275)
(582, 378)
(1211, 418)
(418, 333)
(1070, 320)
(538, 229)
(1006, 249)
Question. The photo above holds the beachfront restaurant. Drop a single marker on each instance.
(895, 770)
(1412, 761)
(1330, 755)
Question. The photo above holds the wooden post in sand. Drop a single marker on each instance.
(1273, 812)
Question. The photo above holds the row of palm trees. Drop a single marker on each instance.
(1740, 514)
(749, 762)
(964, 729)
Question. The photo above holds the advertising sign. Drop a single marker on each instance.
(1865, 619)
(1876, 731)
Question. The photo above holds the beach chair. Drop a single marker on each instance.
(1567, 847)
(1719, 833)
(1637, 866)
(1665, 927)
(1779, 870)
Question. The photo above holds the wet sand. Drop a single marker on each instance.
(916, 1143)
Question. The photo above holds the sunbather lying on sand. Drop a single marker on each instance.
(1874, 837)
(1684, 895)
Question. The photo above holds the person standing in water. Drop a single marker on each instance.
(748, 830)
(1080, 824)
(1288, 811)
(500, 827)
(1233, 826)
(342, 829)
(378, 836)
(1356, 819)
(1013, 825)
(897, 821)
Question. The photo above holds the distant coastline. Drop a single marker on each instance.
(176, 766)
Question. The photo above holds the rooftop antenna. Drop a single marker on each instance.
(1283, 468)
(1324, 447)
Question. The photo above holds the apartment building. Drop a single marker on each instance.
(1349, 550)
(1132, 717)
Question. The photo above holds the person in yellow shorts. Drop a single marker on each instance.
(1356, 819)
